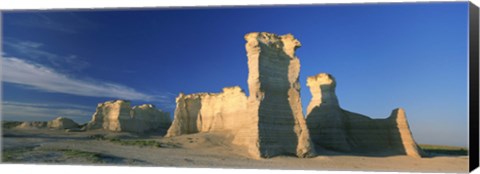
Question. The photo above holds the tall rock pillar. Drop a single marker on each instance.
(325, 119)
(274, 102)
(407, 143)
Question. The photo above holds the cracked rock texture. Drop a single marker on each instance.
(270, 121)
(277, 125)
(119, 116)
(267, 123)
(207, 112)
(62, 123)
(334, 128)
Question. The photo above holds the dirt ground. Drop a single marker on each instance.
(197, 150)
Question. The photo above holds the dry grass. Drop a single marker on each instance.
(446, 150)
(10, 124)
(135, 142)
(90, 156)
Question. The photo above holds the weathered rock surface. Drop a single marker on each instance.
(62, 123)
(270, 121)
(32, 125)
(118, 116)
(208, 112)
(277, 123)
(57, 123)
(333, 128)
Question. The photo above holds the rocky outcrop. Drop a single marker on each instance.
(333, 128)
(277, 123)
(62, 123)
(32, 125)
(57, 123)
(208, 112)
(270, 121)
(118, 116)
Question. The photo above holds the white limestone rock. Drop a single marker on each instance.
(267, 123)
(32, 125)
(334, 128)
(57, 123)
(325, 119)
(62, 123)
(208, 112)
(119, 116)
(274, 104)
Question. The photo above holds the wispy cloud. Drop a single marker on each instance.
(49, 105)
(46, 22)
(43, 112)
(40, 77)
(29, 48)
(64, 22)
(34, 51)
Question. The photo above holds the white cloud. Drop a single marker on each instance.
(49, 105)
(34, 51)
(29, 48)
(19, 71)
(19, 111)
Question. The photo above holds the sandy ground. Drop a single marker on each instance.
(196, 150)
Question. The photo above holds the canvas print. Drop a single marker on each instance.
(362, 87)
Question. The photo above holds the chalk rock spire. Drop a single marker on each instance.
(334, 128)
(274, 102)
(322, 88)
(325, 119)
(399, 119)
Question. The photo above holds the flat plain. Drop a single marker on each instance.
(204, 150)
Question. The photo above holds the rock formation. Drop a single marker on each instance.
(207, 112)
(57, 123)
(118, 116)
(270, 121)
(62, 123)
(277, 123)
(333, 128)
(32, 125)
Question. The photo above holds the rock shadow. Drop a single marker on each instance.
(335, 131)
(276, 117)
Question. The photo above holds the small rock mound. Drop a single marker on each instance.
(57, 123)
(32, 125)
(62, 123)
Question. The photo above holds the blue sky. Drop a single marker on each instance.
(383, 56)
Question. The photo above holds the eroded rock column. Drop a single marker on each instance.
(399, 120)
(334, 128)
(325, 119)
(274, 101)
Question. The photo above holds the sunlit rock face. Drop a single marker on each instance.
(32, 125)
(267, 123)
(333, 128)
(119, 116)
(278, 125)
(270, 121)
(62, 123)
(209, 112)
(57, 123)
